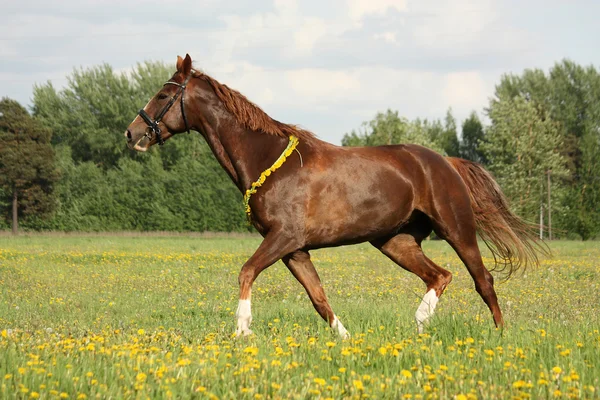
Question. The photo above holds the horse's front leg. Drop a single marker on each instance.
(275, 245)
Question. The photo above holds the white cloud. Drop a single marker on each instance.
(325, 65)
(358, 9)
(322, 84)
(389, 37)
(466, 90)
(308, 34)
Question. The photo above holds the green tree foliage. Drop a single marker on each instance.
(27, 167)
(92, 112)
(522, 145)
(390, 128)
(570, 95)
(472, 136)
(107, 187)
(448, 139)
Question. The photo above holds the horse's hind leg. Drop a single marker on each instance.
(304, 271)
(458, 229)
(468, 250)
(405, 250)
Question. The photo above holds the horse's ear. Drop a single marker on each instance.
(179, 63)
(186, 65)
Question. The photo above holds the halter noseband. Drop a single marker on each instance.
(153, 124)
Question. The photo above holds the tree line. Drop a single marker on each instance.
(64, 165)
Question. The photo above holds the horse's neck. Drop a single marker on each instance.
(245, 154)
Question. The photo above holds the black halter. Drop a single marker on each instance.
(153, 124)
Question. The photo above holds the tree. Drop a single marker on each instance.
(390, 128)
(569, 95)
(448, 140)
(472, 136)
(522, 145)
(92, 112)
(27, 170)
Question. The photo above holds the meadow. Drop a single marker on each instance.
(153, 317)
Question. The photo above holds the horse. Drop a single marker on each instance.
(301, 193)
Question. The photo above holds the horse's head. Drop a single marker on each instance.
(164, 115)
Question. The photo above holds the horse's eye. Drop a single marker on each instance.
(162, 96)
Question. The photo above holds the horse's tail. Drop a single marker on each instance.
(511, 240)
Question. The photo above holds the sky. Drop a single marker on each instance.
(325, 65)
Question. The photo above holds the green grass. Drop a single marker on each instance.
(152, 317)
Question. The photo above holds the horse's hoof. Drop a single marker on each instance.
(243, 332)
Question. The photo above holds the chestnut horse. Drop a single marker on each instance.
(320, 195)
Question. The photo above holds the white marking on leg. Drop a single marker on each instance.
(336, 325)
(426, 308)
(244, 318)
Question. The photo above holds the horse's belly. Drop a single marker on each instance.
(346, 211)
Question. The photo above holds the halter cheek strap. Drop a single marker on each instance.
(153, 124)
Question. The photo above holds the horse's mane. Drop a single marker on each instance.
(249, 114)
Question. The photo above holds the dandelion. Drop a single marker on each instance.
(358, 384)
(519, 384)
(251, 350)
(557, 370)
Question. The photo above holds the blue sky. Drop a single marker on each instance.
(324, 65)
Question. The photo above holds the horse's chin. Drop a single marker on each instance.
(137, 147)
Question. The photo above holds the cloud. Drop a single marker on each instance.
(466, 90)
(325, 65)
(358, 9)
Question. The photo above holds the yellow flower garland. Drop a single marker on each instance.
(263, 176)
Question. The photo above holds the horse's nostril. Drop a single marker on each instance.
(128, 134)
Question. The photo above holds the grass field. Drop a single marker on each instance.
(152, 317)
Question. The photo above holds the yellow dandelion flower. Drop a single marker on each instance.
(557, 370)
(519, 384)
(251, 350)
